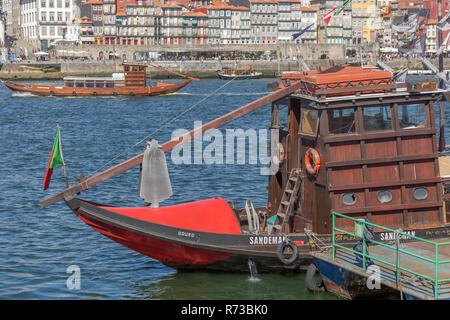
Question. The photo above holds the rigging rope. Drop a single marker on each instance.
(165, 124)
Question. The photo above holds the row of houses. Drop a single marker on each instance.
(42, 23)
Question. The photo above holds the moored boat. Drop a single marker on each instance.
(354, 142)
(132, 82)
(244, 73)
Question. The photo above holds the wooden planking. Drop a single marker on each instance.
(417, 145)
(344, 151)
(418, 170)
(382, 173)
(381, 148)
(423, 218)
(346, 176)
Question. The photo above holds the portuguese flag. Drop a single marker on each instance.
(56, 159)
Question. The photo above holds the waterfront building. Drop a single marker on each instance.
(385, 32)
(44, 22)
(363, 18)
(244, 25)
(228, 24)
(29, 21)
(169, 23)
(347, 36)
(431, 43)
(195, 28)
(109, 22)
(264, 21)
(292, 18)
(138, 24)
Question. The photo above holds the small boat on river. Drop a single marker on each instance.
(348, 140)
(244, 73)
(132, 82)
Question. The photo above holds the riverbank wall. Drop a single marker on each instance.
(199, 69)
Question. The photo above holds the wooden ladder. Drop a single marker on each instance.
(287, 201)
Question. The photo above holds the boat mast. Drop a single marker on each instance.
(137, 160)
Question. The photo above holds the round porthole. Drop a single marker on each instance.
(384, 196)
(349, 199)
(420, 193)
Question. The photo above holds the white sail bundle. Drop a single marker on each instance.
(154, 181)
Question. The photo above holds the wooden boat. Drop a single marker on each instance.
(245, 73)
(351, 145)
(132, 82)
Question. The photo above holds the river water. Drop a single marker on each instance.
(40, 246)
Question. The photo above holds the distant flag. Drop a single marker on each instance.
(346, 3)
(444, 23)
(327, 16)
(56, 159)
(298, 34)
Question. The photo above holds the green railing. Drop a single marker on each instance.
(398, 268)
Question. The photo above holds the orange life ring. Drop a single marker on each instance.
(312, 161)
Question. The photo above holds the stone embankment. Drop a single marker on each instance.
(200, 69)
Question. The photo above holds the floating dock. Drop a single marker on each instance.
(402, 264)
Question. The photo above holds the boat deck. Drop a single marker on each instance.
(417, 275)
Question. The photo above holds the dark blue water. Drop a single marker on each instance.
(38, 245)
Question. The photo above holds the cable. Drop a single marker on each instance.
(165, 124)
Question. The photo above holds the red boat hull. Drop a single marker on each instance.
(197, 248)
(171, 254)
(60, 91)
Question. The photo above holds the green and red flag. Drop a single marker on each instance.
(56, 159)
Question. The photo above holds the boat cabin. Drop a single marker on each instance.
(134, 75)
(376, 144)
(244, 71)
(89, 82)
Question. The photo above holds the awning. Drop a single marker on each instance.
(41, 53)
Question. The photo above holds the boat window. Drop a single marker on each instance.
(99, 84)
(309, 121)
(69, 83)
(109, 84)
(89, 83)
(377, 118)
(341, 121)
(420, 193)
(384, 196)
(349, 199)
(79, 84)
(412, 116)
